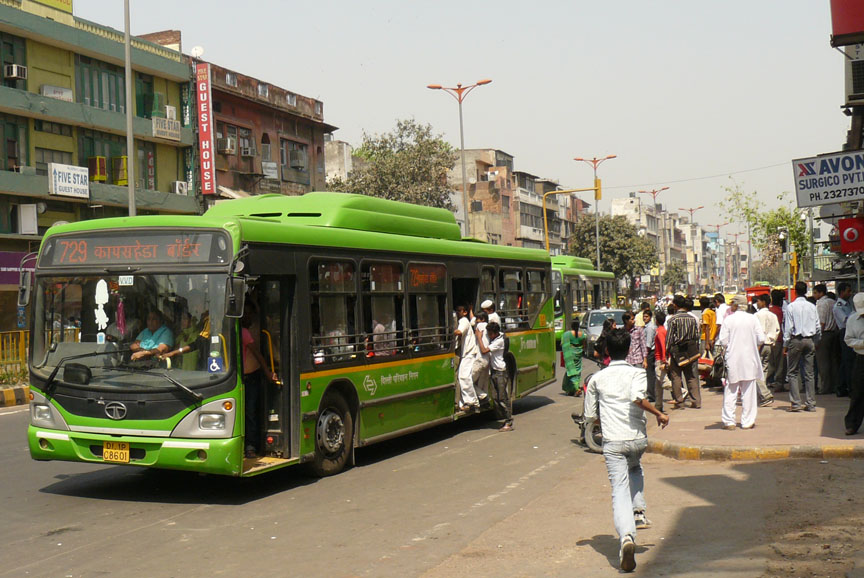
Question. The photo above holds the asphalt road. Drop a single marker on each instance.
(407, 506)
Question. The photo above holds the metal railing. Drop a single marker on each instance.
(13, 350)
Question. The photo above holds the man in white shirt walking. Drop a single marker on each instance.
(800, 334)
(618, 394)
(742, 336)
(771, 328)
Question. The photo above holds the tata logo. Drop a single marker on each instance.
(370, 385)
(115, 410)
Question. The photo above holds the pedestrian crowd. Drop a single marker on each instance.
(807, 346)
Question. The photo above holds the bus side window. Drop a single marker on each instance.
(513, 311)
(333, 299)
(427, 308)
(383, 313)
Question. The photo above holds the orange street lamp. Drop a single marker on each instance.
(460, 92)
(691, 211)
(595, 162)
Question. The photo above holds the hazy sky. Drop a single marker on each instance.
(678, 90)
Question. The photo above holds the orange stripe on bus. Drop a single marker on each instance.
(364, 367)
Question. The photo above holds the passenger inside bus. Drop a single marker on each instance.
(156, 339)
(187, 340)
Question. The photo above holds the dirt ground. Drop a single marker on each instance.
(816, 529)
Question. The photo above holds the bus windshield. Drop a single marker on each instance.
(98, 318)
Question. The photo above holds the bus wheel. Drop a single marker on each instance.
(334, 435)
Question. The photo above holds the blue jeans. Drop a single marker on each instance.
(625, 477)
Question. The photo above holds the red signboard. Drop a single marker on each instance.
(847, 22)
(206, 144)
(851, 235)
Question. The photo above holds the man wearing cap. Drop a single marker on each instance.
(800, 334)
(855, 339)
(742, 335)
(489, 307)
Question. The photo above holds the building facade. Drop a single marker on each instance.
(63, 106)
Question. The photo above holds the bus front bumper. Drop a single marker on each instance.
(214, 456)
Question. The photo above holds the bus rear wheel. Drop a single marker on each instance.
(334, 435)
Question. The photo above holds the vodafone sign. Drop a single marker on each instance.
(206, 145)
(851, 234)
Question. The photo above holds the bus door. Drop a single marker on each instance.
(276, 300)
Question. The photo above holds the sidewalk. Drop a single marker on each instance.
(697, 434)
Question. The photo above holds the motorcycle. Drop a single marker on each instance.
(590, 433)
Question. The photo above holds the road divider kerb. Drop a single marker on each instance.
(739, 453)
(17, 395)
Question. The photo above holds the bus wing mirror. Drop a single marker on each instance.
(24, 281)
(235, 297)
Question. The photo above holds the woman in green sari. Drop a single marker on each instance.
(572, 345)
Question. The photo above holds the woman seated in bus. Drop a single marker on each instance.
(187, 341)
(156, 339)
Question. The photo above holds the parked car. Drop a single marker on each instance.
(592, 324)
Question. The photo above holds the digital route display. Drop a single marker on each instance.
(135, 248)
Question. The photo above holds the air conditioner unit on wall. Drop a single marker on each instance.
(170, 112)
(297, 159)
(98, 168)
(119, 170)
(854, 74)
(227, 145)
(27, 220)
(180, 188)
(15, 72)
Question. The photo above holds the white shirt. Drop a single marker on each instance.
(494, 317)
(496, 353)
(742, 335)
(842, 310)
(613, 391)
(469, 342)
(855, 333)
(770, 325)
(800, 319)
(722, 310)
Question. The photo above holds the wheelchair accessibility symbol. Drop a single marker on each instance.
(215, 365)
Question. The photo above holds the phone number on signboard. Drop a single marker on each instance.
(836, 194)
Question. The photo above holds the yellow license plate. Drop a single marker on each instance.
(117, 452)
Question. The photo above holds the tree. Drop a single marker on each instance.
(409, 164)
(675, 274)
(623, 251)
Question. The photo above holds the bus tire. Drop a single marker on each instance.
(334, 435)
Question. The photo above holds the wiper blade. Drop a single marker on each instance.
(50, 384)
(197, 397)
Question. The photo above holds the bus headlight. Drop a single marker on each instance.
(40, 415)
(211, 421)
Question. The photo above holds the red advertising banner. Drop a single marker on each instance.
(847, 22)
(851, 234)
(206, 144)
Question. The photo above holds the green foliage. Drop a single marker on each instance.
(13, 376)
(765, 225)
(409, 164)
(622, 250)
(675, 274)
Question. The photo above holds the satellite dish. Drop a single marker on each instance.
(831, 213)
(197, 51)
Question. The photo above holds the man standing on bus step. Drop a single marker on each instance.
(489, 307)
(468, 353)
(800, 334)
(492, 343)
(617, 394)
(828, 348)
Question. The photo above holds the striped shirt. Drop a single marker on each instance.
(682, 327)
(638, 350)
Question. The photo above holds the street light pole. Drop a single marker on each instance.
(460, 92)
(595, 162)
(661, 238)
(130, 138)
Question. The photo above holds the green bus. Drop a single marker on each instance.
(351, 298)
(577, 287)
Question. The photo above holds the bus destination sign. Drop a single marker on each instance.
(139, 248)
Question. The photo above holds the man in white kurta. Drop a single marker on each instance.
(741, 335)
